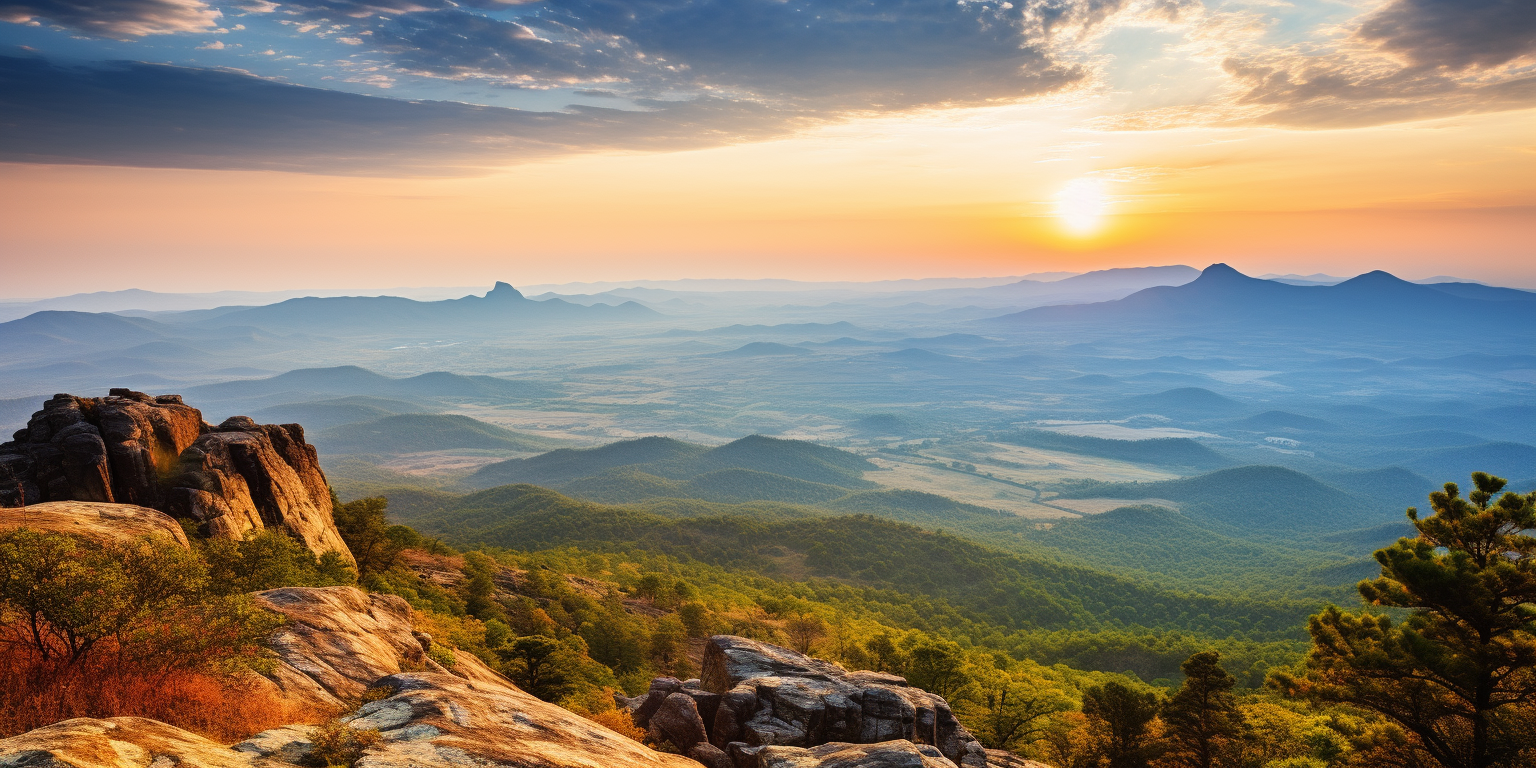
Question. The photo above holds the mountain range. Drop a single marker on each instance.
(1223, 300)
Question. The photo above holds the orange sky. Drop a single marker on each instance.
(935, 195)
(1297, 137)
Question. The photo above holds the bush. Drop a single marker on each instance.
(618, 721)
(337, 744)
(268, 559)
(41, 691)
(101, 629)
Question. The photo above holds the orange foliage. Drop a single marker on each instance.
(39, 691)
(618, 721)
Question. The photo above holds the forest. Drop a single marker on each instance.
(575, 601)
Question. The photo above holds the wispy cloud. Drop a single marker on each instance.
(119, 19)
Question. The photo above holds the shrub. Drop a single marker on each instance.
(222, 707)
(618, 721)
(337, 744)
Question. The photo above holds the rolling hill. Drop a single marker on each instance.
(321, 414)
(1258, 498)
(1008, 589)
(1184, 402)
(348, 380)
(676, 460)
(1163, 451)
(417, 432)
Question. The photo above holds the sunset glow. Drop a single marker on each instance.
(410, 163)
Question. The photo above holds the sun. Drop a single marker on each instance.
(1081, 205)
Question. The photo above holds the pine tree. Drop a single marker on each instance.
(1202, 718)
(1459, 674)
(1124, 717)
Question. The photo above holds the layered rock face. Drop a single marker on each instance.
(762, 705)
(157, 452)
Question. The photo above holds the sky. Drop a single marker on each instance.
(186, 145)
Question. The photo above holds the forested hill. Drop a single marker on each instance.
(669, 459)
(907, 565)
(1254, 498)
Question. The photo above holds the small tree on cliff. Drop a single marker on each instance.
(1202, 720)
(1459, 674)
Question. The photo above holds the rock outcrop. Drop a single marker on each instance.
(764, 695)
(157, 452)
(117, 742)
(92, 520)
(338, 643)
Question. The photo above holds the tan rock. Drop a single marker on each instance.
(117, 742)
(242, 477)
(888, 754)
(440, 720)
(94, 520)
(339, 640)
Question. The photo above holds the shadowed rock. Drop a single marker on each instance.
(132, 448)
(763, 694)
(677, 721)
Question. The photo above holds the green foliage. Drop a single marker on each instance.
(1124, 716)
(539, 665)
(979, 583)
(1011, 704)
(267, 559)
(338, 745)
(148, 600)
(365, 528)
(1202, 719)
(1459, 672)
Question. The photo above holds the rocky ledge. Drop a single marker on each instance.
(157, 452)
(339, 642)
(762, 706)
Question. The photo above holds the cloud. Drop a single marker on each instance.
(122, 113)
(116, 19)
(1454, 34)
(1405, 60)
(837, 55)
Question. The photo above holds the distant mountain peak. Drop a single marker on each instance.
(504, 291)
(1220, 271)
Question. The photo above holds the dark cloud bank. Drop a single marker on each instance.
(704, 72)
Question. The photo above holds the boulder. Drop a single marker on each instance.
(114, 449)
(677, 722)
(997, 758)
(651, 700)
(771, 695)
(156, 451)
(101, 522)
(710, 756)
(888, 754)
(117, 742)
